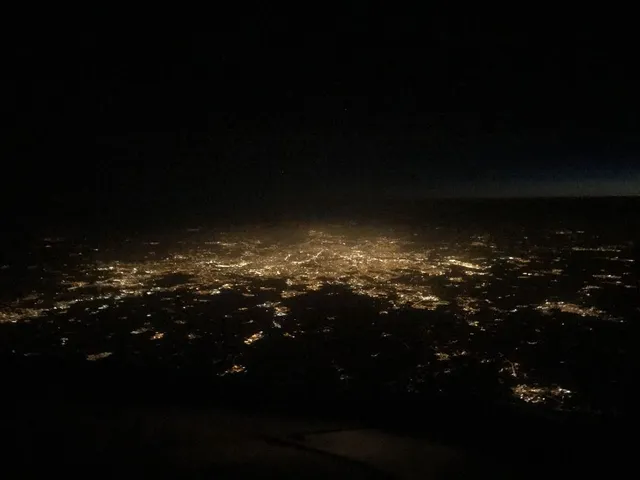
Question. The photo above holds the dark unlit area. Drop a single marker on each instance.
(109, 426)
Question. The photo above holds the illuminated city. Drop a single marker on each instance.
(261, 286)
(344, 244)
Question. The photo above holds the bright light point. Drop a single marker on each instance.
(254, 338)
(98, 356)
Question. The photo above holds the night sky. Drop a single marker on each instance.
(401, 108)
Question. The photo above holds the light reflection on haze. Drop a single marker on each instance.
(371, 266)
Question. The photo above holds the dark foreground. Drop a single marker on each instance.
(102, 423)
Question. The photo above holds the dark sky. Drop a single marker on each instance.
(395, 108)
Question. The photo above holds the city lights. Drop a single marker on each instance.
(268, 275)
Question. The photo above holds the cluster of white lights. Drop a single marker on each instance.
(539, 394)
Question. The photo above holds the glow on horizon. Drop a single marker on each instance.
(527, 187)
